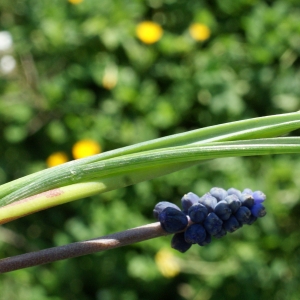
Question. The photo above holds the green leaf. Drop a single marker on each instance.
(147, 160)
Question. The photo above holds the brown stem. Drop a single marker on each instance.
(111, 241)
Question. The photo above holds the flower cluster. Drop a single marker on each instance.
(213, 214)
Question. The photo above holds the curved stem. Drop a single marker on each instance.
(111, 241)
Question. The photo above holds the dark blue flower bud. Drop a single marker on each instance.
(195, 234)
(258, 210)
(220, 234)
(243, 214)
(258, 197)
(251, 220)
(213, 224)
(188, 200)
(172, 220)
(198, 212)
(179, 243)
(231, 224)
(218, 193)
(247, 200)
(206, 241)
(160, 206)
(209, 201)
(222, 210)
(233, 191)
(234, 202)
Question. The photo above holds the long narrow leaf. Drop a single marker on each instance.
(133, 168)
(68, 173)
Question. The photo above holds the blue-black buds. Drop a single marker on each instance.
(243, 214)
(234, 202)
(160, 206)
(195, 234)
(218, 193)
(258, 210)
(222, 210)
(247, 200)
(213, 214)
(188, 200)
(172, 220)
(179, 243)
(209, 201)
(212, 223)
(232, 224)
(198, 212)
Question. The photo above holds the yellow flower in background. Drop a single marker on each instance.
(75, 1)
(110, 77)
(199, 32)
(149, 32)
(167, 263)
(56, 158)
(85, 148)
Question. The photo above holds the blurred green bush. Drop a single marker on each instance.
(76, 70)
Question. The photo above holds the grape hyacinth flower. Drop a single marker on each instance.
(247, 200)
(218, 193)
(179, 243)
(213, 224)
(198, 212)
(243, 214)
(258, 210)
(233, 191)
(206, 241)
(195, 234)
(247, 191)
(222, 210)
(188, 200)
(234, 202)
(251, 220)
(172, 220)
(160, 206)
(232, 224)
(213, 215)
(209, 201)
(221, 233)
(258, 197)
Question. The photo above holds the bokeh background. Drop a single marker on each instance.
(80, 77)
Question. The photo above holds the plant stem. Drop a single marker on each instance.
(107, 242)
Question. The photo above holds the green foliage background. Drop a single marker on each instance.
(249, 67)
